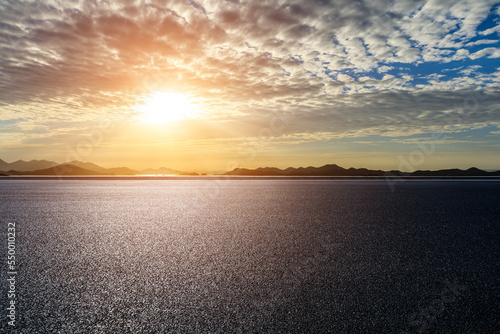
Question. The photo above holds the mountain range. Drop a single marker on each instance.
(24, 166)
(44, 167)
(335, 170)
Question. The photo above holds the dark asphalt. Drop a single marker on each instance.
(253, 256)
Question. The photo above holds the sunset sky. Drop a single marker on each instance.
(213, 85)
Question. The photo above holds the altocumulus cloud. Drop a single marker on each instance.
(340, 67)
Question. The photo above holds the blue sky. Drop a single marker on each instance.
(273, 83)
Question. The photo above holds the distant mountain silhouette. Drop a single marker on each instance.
(43, 167)
(89, 168)
(473, 171)
(60, 170)
(93, 167)
(326, 170)
(24, 166)
(335, 170)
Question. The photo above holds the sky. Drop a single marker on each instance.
(215, 85)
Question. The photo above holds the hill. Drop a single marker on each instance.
(89, 166)
(473, 171)
(335, 170)
(60, 170)
(44, 167)
(326, 170)
(25, 166)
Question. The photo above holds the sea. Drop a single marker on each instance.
(249, 255)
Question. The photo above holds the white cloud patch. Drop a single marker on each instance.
(494, 30)
(383, 69)
(482, 42)
(487, 52)
(470, 69)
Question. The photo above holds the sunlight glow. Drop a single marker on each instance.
(163, 107)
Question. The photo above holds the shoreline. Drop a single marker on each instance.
(245, 177)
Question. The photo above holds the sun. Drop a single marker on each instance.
(161, 107)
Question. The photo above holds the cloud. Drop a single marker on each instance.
(470, 69)
(325, 62)
(383, 69)
(495, 29)
(489, 52)
(482, 42)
